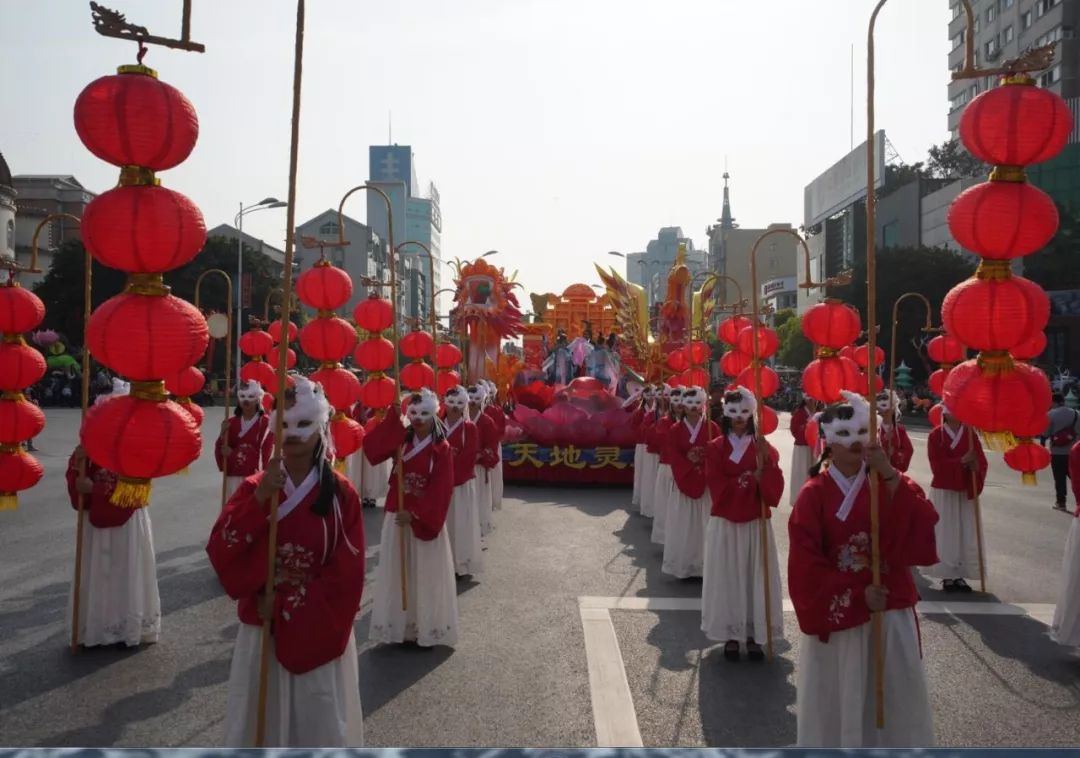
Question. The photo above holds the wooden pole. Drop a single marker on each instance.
(978, 513)
(228, 358)
(80, 501)
(283, 348)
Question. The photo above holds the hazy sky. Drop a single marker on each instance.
(555, 130)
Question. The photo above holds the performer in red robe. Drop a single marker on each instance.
(636, 405)
(659, 410)
(829, 578)
(801, 457)
(463, 521)
(354, 466)
(891, 433)
(488, 456)
(239, 447)
(1065, 629)
(743, 471)
(958, 465)
(431, 617)
(688, 510)
(495, 413)
(313, 696)
(664, 489)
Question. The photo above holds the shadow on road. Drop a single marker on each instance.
(388, 670)
(758, 698)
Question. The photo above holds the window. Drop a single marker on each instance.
(992, 48)
(10, 235)
(890, 234)
(1025, 20)
(1006, 4)
(330, 227)
(991, 14)
(958, 40)
(955, 8)
(1007, 35)
(1051, 77)
(1043, 6)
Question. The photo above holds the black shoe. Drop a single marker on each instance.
(1060, 507)
(961, 586)
(731, 650)
(754, 651)
(948, 585)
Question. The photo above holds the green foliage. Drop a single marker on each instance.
(950, 160)
(62, 290)
(781, 317)
(1057, 266)
(795, 350)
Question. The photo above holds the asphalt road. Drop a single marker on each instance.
(521, 673)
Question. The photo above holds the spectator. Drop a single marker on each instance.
(1063, 431)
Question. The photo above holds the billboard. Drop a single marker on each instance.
(843, 183)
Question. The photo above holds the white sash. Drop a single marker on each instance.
(246, 424)
(453, 427)
(694, 429)
(295, 495)
(954, 436)
(416, 448)
(739, 444)
(850, 487)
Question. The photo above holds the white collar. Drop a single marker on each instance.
(694, 429)
(453, 427)
(954, 436)
(294, 495)
(849, 487)
(739, 445)
(246, 424)
(417, 447)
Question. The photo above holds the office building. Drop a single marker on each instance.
(36, 197)
(650, 269)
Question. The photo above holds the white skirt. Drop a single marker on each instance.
(663, 494)
(232, 484)
(432, 614)
(483, 499)
(354, 470)
(733, 593)
(318, 709)
(118, 589)
(834, 686)
(684, 540)
(1066, 627)
(463, 529)
(375, 480)
(650, 462)
(800, 465)
(497, 487)
(957, 540)
(639, 457)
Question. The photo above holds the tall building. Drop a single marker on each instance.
(650, 269)
(417, 218)
(7, 211)
(38, 196)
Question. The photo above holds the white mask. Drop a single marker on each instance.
(456, 397)
(423, 406)
(311, 406)
(477, 393)
(847, 431)
(739, 404)
(250, 391)
(693, 399)
(676, 398)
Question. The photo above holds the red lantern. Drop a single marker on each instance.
(20, 420)
(447, 380)
(864, 384)
(995, 395)
(347, 435)
(127, 436)
(848, 352)
(324, 287)
(1003, 220)
(146, 337)
(268, 402)
(273, 358)
(259, 371)
(378, 392)
(770, 382)
(825, 377)
(993, 315)
(769, 421)
(699, 352)
(695, 377)
(20, 309)
(447, 355)
(143, 229)
(811, 434)
(729, 329)
(132, 119)
(677, 360)
(18, 471)
(374, 314)
(275, 332)
(768, 342)
(328, 339)
(1030, 349)
(935, 415)
(186, 382)
(375, 354)
(255, 343)
(20, 365)
(946, 349)
(193, 409)
(416, 375)
(1016, 125)
(417, 344)
(831, 324)
(339, 384)
(937, 381)
(734, 362)
(1027, 458)
(862, 356)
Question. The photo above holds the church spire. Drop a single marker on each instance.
(726, 220)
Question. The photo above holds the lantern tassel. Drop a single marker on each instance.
(185, 471)
(9, 501)
(131, 493)
(999, 442)
(1028, 479)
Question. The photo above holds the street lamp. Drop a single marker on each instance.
(490, 252)
(238, 222)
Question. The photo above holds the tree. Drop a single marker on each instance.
(950, 160)
(1055, 267)
(62, 290)
(782, 316)
(795, 350)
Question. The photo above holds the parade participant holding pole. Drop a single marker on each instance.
(688, 510)
(653, 417)
(664, 488)
(742, 470)
(831, 585)
(430, 614)
(637, 404)
(891, 434)
(1065, 629)
(463, 523)
(240, 445)
(959, 472)
(313, 680)
(495, 413)
(488, 456)
(801, 456)
(118, 589)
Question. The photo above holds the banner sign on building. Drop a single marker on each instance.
(843, 183)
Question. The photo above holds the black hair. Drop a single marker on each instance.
(671, 408)
(328, 483)
(436, 427)
(816, 466)
(258, 410)
(735, 396)
(1057, 397)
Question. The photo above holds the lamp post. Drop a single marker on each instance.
(238, 222)
(431, 284)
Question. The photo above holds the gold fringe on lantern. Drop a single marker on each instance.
(995, 362)
(9, 501)
(131, 493)
(339, 465)
(993, 271)
(1028, 479)
(999, 442)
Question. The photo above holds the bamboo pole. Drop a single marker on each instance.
(279, 391)
(978, 513)
(228, 358)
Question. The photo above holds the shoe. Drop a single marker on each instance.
(948, 585)
(961, 586)
(754, 651)
(731, 650)
(1060, 507)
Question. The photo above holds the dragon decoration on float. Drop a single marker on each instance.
(485, 312)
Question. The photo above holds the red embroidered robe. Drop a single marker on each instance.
(648, 431)
(736, 494)
(660, 437)
(102, 513)
(897, 445)
(246, 450)
(320, 563)
(495, 413)
(948, 472)
(464, 445)
(688, 458)
(489, 454)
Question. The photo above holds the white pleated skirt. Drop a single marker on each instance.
(118, 589)
(835, 688)
(463, 529)
(733, 591)
(639, 457)
(375, 480)
(663, 493)
(232, 484)
(650, 462)
(1066, 627)
(318, 709)
(354, 470)
(483, 499)
(957, 540)
(800, 465)
(497, 487)
(684, 538)
(432, 614)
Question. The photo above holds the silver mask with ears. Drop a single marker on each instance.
(310, 405)
(740, 404)
(693, 399)
(477, 394)
(855, 428)
(423, 406)
(675, 397)
(249, 391)
(888, 400)
(456, 397)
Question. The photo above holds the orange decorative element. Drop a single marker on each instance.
(577, 304)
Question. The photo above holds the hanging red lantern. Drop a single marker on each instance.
(20, 365)
(831, 323)
(811, 434)
(378, 392)
(862, 356)
(827, 375)
(770, 382)
(1016, 124)
(935, 415)
(446, 381)
(729, 328)
(339, 384)
(273, 358)
(865, 384)
(700, 352)
(374, 314)
(848, 351)
(324, 287)
(946, 349)
(255, 343)
(695, 377)
(186, 382)
(347, 434)
(20, 420)
(768, 342)
(734, 362)
(936, 382)
(997, 395)
(416, 375)
(375, 354)
(447, 355)
(133, 119)
(769, 420)
(328, 339)
(20, 309)
(677, 360)
(275, 332)
(193, 409)
(259, 371)
(1028, 458)
(18, 471)
(995, 314)
(147, 337)
(1003, 220)
(1030, 349)
(417, 345)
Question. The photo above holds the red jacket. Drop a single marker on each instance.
(898, 446)
(315, 607)
(428, 476)
(648, 431)
(489, 454)
(829, 563)
(736, 494)
(688, 458)
(948, 472)
(496, 414)
(246, 451)
(660, 437)
(637, 423)
(464, 446)
(800, 417)
(102, 513)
